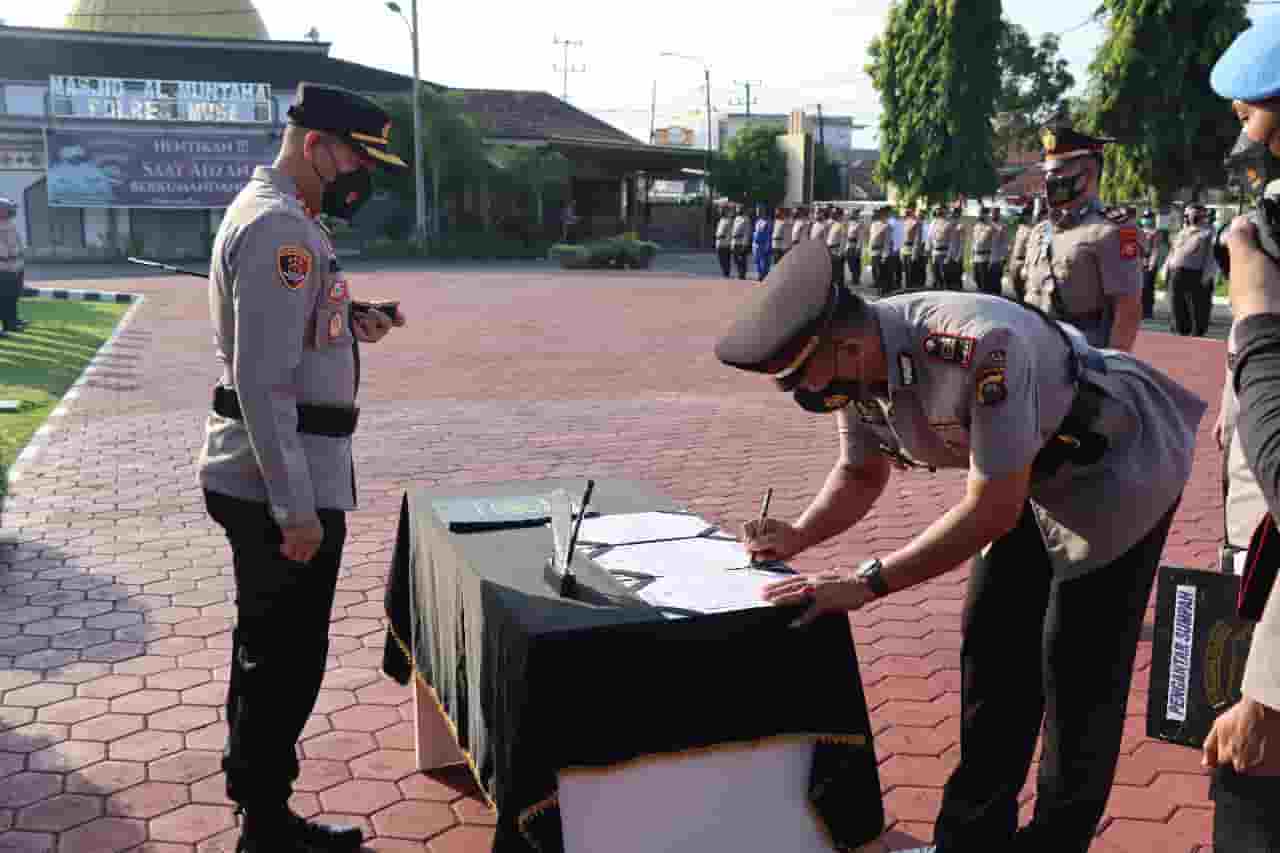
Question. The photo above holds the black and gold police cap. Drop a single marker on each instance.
(353, 118)
(1063, 142)
(784, 321)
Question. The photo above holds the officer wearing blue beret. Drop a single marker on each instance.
(1243, 744)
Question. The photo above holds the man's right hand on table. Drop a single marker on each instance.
(302, 542)
(772, 540)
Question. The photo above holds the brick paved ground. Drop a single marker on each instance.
(114, 611)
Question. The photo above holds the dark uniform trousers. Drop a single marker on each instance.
(853, 258)
(279, 646)
(777, 256)
(740, 260)
(11, 284)
(982, 276)
(879, 273)
(954, 275)
(1076, 639)
(917, 272)
(894, 265)
(939, 266)
(723, 255)
(1247, 820)
(837, 271)
(1185, 302)
(1204, 307)
(995, 280)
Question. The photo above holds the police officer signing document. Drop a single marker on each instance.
(1076, 458)
(276, 464)
(1081, 267)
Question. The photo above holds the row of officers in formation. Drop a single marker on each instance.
(928, 249)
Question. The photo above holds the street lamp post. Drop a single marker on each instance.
(706, 72)
(420, 190)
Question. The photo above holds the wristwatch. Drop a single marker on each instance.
(869, 573)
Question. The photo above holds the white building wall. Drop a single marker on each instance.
(13, 185)
(97, 227)
(24, 100)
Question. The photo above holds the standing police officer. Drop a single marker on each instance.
(1190, 260)
(1082, 267)
(853, 252)
(740, 240)
(1076, 458)
(1018, 258)
(837, 237)
(11, 268)
(980, 251)
(953, 268)
(724, 235)
(276, 463)
(939, 241)
(999, 252)
(880, 250)
(781, 234)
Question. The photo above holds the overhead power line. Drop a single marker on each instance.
(153, 14)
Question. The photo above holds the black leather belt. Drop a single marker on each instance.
(331, 421)
(1075, 440)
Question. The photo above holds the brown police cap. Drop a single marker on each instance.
(353, 118)
(778, 323)
(1062, 142)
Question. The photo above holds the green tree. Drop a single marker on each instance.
(1150, 90)
(752, 168)
(538, 173)
(936, 70)
(453, 148)
(1034, 81)
(826, 176)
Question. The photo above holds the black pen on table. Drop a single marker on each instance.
(764, 516)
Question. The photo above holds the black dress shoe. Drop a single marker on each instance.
(288, 833)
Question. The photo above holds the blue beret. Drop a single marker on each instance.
(1250, 69)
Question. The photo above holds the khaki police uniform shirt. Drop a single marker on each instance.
(280, 309)
(799, 230)
(12, 251)
(724, 229)
(1075, 270)
(956, 238)
(978, 382)
(939, 236)
(781, 234)
(818, 230)
(1020, 239)
(741, 233)
(836, 237)
(879, 239)
(982, 239)
(859, 233)
(910, 236)
(1191, 248)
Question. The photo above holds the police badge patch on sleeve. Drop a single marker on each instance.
(1128, 242)
(293, 263)
(953, 349)
(992, 386)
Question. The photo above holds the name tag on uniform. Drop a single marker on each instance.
(953, 349)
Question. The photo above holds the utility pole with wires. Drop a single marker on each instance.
(566, 69)
(653, 110)
(747, 100)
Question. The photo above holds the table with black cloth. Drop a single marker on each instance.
(535, 683)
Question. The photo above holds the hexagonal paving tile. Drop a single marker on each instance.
(73, 711)
(178, 679)
(319, 774)
(104, 835)
(360, 796)
(365, 718)
(183, 718)
(413, 819)
(32, 737)
(67, 756)
(186, 767)
(338, 746)
(23, 789)
(106, 777)
(60, 813)
(145, 746)
(389, 764)
(109, 686)
(144, 701)
(147, 800)
(191, 824)
(108, 727)
(29, 842)
(39, 695)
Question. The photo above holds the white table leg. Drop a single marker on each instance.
(433, 741)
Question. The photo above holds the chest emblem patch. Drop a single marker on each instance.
(338, 291)
(293, 263)
(335, 326)
(953, 349)
(1128, 242)
(992, 388)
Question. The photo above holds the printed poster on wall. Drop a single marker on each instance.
(154, 168)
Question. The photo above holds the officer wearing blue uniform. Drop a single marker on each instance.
(1077, 459)
(1243, 743)
(276, 464)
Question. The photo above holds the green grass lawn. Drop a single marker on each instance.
(39, 364)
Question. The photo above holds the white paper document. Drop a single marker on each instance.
(701, 575)
(640, 527)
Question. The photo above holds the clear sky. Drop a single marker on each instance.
(800, 54)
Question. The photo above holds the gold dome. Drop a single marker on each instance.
(230, 18)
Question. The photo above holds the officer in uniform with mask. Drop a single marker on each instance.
(1077, 459)
(724, 238)
(858, 231)
(1184, 272)
(1154, 251)
(1082, 267)
(980, 248)
(957, 237)
(781, 234)
(1018, 258)
(939, 241)
(276, 465)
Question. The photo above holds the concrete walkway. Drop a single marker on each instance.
(114, 586)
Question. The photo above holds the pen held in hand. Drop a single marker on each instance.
(764, 515)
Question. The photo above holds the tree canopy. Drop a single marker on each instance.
(1034, 80)
(1149, 88)
(752, 169)
(935, 67)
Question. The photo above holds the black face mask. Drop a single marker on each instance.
(1251, 164)
(832, 397)
(1060, 190)
(346, 193)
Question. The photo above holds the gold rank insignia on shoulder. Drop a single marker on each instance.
(835, 401)
(335, 326)
(992, 386)
(293, 263)
(953, 349)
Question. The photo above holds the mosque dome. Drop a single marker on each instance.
(211, 18)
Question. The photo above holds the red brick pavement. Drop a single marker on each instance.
(114, 607)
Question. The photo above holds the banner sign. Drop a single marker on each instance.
(174, 169)
(120, 99)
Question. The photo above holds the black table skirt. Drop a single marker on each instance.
(535, 683)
